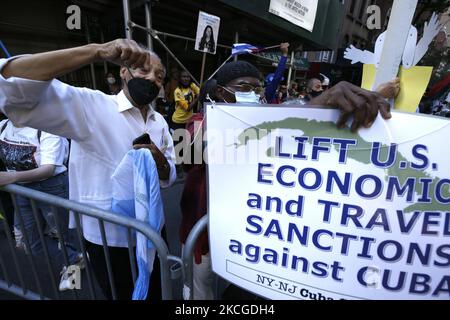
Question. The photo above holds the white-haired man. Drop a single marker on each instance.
(102, 128)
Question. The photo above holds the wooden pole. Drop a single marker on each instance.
(155, 36)
(203, 68)
(220, 67)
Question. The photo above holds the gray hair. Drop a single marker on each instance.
(311, 83)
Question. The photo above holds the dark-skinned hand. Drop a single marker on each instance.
(354, 101)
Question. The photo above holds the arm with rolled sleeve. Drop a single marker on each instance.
(30, 95)
(50, 106)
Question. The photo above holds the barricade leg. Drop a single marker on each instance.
(188, 260)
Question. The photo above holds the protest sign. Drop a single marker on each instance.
(301, 210)
(299, 12)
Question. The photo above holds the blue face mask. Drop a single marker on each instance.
(247, 97)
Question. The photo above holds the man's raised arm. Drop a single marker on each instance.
(49, 65)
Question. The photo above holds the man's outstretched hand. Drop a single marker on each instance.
(124, 52)
(354, 101)
(49, 65)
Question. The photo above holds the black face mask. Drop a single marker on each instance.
(315, 94)
(142, 91)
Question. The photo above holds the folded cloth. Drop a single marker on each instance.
(136, 194)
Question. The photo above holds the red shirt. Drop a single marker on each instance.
(193, 200)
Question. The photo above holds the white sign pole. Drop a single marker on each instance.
(394, 45)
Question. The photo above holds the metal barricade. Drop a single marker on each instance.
(13, 260)
(188, 255)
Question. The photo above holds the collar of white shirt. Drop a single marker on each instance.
(123, 104)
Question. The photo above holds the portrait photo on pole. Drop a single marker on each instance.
(207, 33)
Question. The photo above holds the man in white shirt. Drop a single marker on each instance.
(102, 127)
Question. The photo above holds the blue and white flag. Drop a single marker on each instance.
(240, 48)
(136, 194)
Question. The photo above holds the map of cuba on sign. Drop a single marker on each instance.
(301, 210)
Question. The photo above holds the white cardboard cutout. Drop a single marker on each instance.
(410, 48)
(412, 54)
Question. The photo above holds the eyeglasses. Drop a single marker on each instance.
(247, 88)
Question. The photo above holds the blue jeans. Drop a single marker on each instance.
(57, 186)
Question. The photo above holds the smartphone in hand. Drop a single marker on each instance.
(143, 139)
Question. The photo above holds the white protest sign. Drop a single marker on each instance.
(207, 33)
(299, 12)
(301, 210)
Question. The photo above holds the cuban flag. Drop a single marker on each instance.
(240, 48)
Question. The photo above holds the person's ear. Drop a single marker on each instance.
(123, 73)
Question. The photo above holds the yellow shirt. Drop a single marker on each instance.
(183, 98)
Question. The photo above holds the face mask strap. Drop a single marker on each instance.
(128, 68)
(226, 89)
(261, 100)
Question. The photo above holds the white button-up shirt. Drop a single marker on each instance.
(102, 128)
